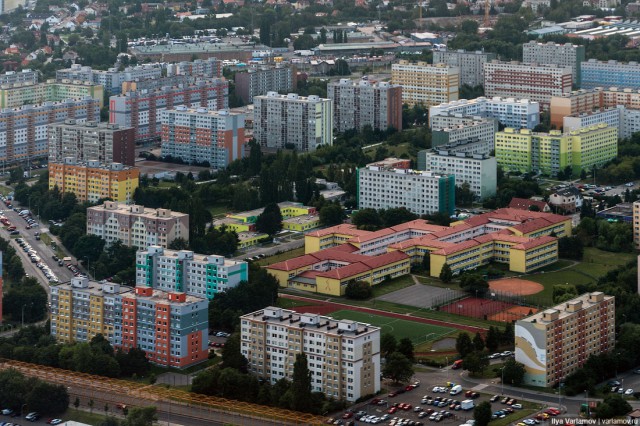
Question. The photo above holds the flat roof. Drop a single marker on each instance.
(563, 308)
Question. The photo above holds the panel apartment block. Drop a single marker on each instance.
(470, 64)
(142, 110)
(636, 223)
(111, 79)
(84, 141)
(381, 186)
(554, 343)
(575, 102)
(565, 55)
(510, 112)
(195, 274)
(171, 327)
(23, 131)
(357, 104)
(549, 153)
(259, 81)
(199, 135)
(535, 82)
(449, 129)
(469, 146)
(622, 75)
(23, 76)
(613, 117)
(343, 356)
(137, 225)
(207, 68)
(92, 180)
(18, 94)
(426, 84)
(477, 170)
(303, 123)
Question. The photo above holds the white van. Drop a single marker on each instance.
(455, 390)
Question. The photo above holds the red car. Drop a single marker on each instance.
(392, 410)
(392, 394)
(374, 401)
(347, 415)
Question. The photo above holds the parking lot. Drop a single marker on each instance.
(421, 404)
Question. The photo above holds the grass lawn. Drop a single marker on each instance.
(394, 151)
(595, 264)
(218, 211)
(5, 190)
(281, 256)
(417, 332)
(80, 416)
(47, 240)
(291, 303)
(392, 285)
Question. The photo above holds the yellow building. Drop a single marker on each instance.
(426, 84)
(18, 94)
(301, 223)
(248, 239)
(92, 181)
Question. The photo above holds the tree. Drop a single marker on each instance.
(482, 414)
(513, 372)
(367, 219)
(469, 26)
(76, 403)
(388, 344)
(90, 404)
(398, 368)
(232, 356)
(405, 347)
(474, 284)
(507, 335)
(478, 342)
(141, 416)
(445, 274)
(304, 42)
(47, 398)
(270, 220)
(396, 216)
(464, 345)
(331, 214)
(341, 68)
(301, 385)
(475, 362)
(358, 290)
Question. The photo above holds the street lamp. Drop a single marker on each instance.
(88, 263)
(502, 379)
(24, 306)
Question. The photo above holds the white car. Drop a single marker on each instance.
(517, 406)
(628, 392)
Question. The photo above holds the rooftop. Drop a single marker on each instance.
(568, 308)
(136, 210)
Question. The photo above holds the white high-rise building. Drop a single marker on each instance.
(510, 112)
(200, 275)
(343, 356)
(292, 121)
(566, 55)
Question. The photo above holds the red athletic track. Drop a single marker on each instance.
(341, 306)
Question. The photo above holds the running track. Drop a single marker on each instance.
(408, 317)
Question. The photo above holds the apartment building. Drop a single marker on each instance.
(532, 81)
(187, 272)
(171, 327)
(136, 225)
(612, 117)
(111, 79)
(477, 170)
(343, 356)
(207, 68)
(556, 342)
(257, 81)
(564, 55)
(22, 76)
(142, 110)
(292, 121)
(23, 131)
(17, 94)
(449, 129)
(522, 239)
(198, 135)
(89, 140)
(471, 146)
(622, 75)
(552, 152)
(636, 223)
(152, 84)
(381, 186)
(575, 102)
(426, 84)
(470, 64)
(510, 112)
(357, 104)
(92, 180)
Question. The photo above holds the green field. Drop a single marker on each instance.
(416, 331)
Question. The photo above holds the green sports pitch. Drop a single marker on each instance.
(418, 332)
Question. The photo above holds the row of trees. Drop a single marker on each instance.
(18, 391)
(35, 345)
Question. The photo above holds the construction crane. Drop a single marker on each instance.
(487, 6)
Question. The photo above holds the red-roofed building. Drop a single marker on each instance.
(527, 204)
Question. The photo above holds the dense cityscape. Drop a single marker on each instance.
(306, 212)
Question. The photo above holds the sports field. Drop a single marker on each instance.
(416, 331)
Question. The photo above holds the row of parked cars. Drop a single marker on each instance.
(498, 355)
(33, 255)
(32, 417)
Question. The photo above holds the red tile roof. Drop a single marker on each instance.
(374, 262)
(524, 204)
(534, 242)
(345, 271)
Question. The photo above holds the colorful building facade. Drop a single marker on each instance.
(92, 180)
(171, 327)
(426, 84)
(18, 94)
(188, 272)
